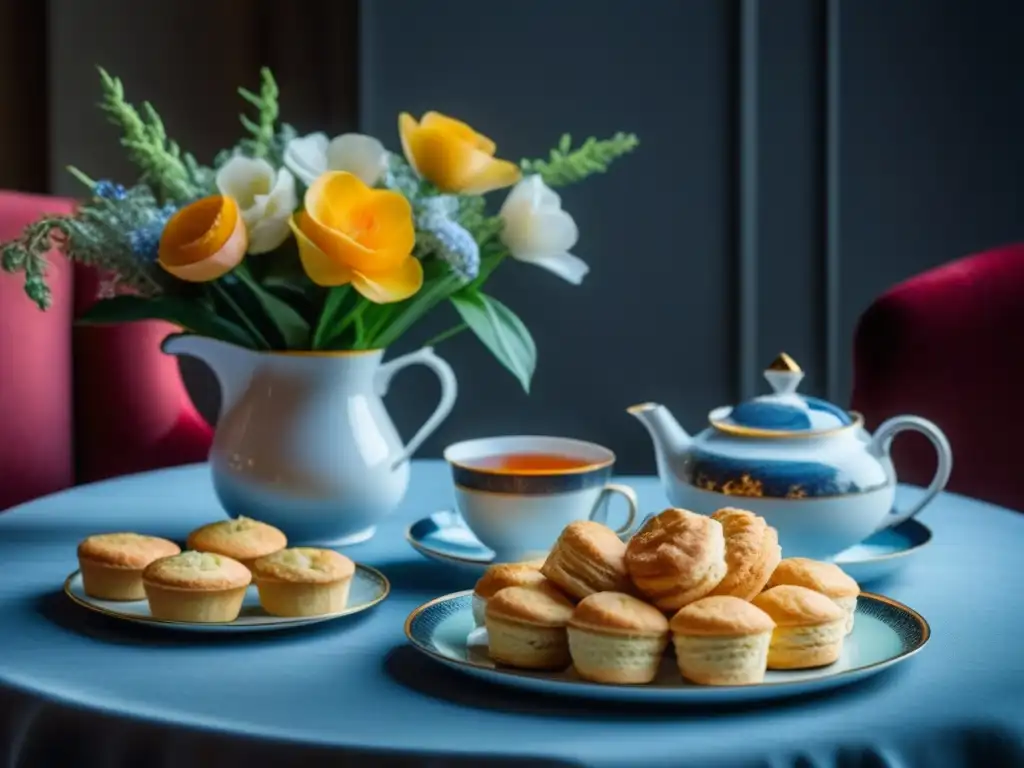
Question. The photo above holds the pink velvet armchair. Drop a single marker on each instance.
(79, 404)
(946, 345)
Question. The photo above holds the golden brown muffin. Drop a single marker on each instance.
(198, 587)
(677, 557)
(809, 628)
(526, 628)
(617, 638)
(112, 563)
(751, 552)
(722, 640)
(503, 575)
(303, 581)
(241, 539)
(587, 558)
(827, 578)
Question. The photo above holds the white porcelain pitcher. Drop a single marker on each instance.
(304, 441)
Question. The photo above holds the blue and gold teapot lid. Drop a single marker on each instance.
(784, 412)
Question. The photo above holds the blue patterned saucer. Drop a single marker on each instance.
(882, 555)
(885, 633)
(445, 537)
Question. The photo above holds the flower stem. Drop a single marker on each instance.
(257, 336)
(445, 335)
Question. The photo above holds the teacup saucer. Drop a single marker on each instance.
(445, 537)
(885, 553)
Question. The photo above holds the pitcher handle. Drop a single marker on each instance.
(881, 444)
(449, 391)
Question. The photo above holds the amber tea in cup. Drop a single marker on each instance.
(516, 494)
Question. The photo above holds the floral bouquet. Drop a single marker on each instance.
(294, 242)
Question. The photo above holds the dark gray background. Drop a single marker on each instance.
(798, 157)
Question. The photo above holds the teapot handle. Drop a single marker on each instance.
(449, 391)
(881, 444)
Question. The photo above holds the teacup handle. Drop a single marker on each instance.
(881, 443)
(449, 391)
(631, 501)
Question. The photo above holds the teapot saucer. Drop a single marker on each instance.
(886, 552)
(444, 537)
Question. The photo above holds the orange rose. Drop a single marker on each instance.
(350, 233)
(204, 240)
(452, 156)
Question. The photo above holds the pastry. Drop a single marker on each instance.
(809, 628)
(587, 558)
(112, 563)
(196, 587)
(751, 552)
(503, 575)
(241, 539)
(677, 557)
(616, 638)
(303, 581)
(526, 628)
(722, 640)
(827, 578)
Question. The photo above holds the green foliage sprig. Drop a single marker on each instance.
(568, 166)
(97, 234)
(267, 139)
(173, 175)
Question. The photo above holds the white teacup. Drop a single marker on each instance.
(516, 494)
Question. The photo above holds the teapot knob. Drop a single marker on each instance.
(784, 375)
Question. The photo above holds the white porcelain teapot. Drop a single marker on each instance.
(806, 465)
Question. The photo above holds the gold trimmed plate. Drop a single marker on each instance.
(885, 633)
(369, 587)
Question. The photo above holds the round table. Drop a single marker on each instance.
(81, 689)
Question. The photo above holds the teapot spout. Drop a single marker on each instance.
(670, 440)
(232, 365)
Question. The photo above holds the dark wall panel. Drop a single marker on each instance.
(655, 317)
(931, 120)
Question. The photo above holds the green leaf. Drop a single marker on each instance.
(331, 316)
(188, 314)
(501, 331)
(286, 319)
(392, 320)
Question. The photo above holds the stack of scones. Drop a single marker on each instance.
(714, 588)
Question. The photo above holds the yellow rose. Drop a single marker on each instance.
(204, 240)
(452, 156)
(350, 233)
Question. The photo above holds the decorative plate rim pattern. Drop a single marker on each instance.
(269, 622)
(928, 536)
(914, 646)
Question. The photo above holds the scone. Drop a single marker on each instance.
(616, 638)
(503, 575)
(722, 640)
(526, 628)
(751, 552)
(827, 578)
(677, 557)
(587, 558)
(241, 539)
(303, 581)
(112, 563)
(196, 587)
(809, 628)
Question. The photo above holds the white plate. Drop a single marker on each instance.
(885, 633)
(369, 587)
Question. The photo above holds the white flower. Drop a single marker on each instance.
(362, 156)
(266, 198)
(537, 230)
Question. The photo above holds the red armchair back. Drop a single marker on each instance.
(79, 404)
(947, 345)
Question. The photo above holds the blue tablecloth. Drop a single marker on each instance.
(79, 690)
